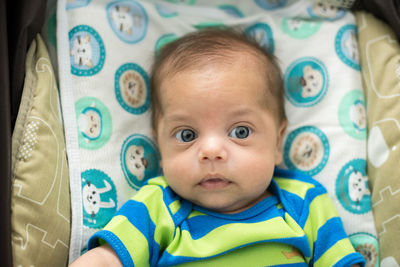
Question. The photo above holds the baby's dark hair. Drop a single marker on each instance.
(209, 46)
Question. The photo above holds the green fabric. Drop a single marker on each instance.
(40, 190)
(380, 60)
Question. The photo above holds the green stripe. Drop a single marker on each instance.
(294, 186)
(321, 210)
(152, 196)
(195, 213)
(233, 235)
(174, 206)
(262, 254)
(120, 226)
(335, 253)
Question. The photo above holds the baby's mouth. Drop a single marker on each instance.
(214, 182)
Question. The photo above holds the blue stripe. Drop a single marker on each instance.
(116, 245)
(201, 225)
(143, 223)
(351, 259)
(310, 196)
(326, 238)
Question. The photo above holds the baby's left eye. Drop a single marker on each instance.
(240, 132)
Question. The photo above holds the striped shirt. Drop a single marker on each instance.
(297, 226)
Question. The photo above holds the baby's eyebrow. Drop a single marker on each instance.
(177, 117)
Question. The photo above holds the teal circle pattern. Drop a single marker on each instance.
(140, 160)
(352, 114)
(77, 4)
(165, 39)
(232, 10)
(346, 46)
(271, 5)
(300, 28)
(99, 198)
(325, 11)
(132, 88)
(262, 33)
(128, 20)
(367, 245)
(183, 2)
(306, 82)
(94, 123)
(306, 149)
(352, 187)
(87, 51)
(165, 11)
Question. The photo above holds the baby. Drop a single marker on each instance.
(218, 118)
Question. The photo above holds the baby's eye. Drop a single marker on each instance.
(240, 132)
(186, 135)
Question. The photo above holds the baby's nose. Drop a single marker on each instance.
(212, 149)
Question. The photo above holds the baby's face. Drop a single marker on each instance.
(218, 144)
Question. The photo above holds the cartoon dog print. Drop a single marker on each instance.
(358, 115)
(325, 10)
(358, 186)
(351, 46)
(91, 198)
(133, 89)
(135, 161)
(311, 82)
(82, 51)
(90, 123)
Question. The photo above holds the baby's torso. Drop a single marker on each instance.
(263, 235)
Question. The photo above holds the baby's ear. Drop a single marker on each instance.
(281, 133)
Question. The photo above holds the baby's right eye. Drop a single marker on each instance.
(186, 135)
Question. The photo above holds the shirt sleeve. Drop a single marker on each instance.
(141, 227)
(326, 235)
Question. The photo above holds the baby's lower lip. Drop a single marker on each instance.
(214, 183)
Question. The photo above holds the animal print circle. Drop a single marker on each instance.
(128, 20)
(352, 187)
(132, 88)
(163, 40)
(300, 28)
(94, 123)
(367, 245)
(271, 4)
(87, 52)
(306, 82)
(326, 11)
(346, 46)
(352, 114)
(306, 149)
(262, 33)
(99, 198)
(232, 10)
(139, 160)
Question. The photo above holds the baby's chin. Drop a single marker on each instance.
(224, 207)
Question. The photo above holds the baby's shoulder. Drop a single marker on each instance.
(297, 182)
(296, 191)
